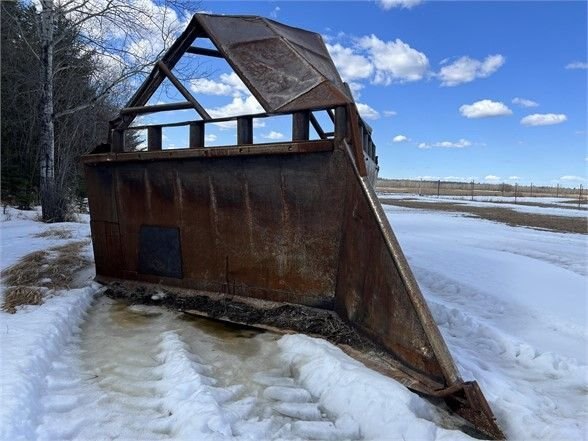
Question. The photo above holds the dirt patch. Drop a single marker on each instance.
(296, 318)
(55, 233)
(41, 272)
(288, 318)
(562, 224)
(543, 205)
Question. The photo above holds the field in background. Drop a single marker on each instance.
(472, 189)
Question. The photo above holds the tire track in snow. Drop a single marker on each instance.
(147, 373)
(521, 382)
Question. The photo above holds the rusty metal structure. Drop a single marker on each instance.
(294, 222)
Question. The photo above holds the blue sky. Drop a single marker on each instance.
(437, 80)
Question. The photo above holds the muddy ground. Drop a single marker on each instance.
(563, 224)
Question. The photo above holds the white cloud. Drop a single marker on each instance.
(233, 80)
(404, 4)
(543, 119)
(577, 65)
(447, 144)
(228, 84)
(484, 109)
(367, 112)
(394, 61)
(492, 178)
(351, 66)
(238, 106)
(572, 178)
(466, 69)
(460, 178)
(514, 178)
(275, 11)
(523, 102)
(400, 138)
(273, 135)
(210, 87)
(390, 113)
(355, 89)
(426, 178)
(210, 138)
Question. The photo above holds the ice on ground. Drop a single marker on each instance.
(301, 411)
(31, 341)
(291, 394)
(500, 202)
(512, 305)
(510, 302)
(326, 430)
(382, 408)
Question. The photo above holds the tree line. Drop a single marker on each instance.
(74, 133)
(67, 67)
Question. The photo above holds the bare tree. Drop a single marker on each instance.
(124, 37)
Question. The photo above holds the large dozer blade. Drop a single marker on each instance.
(265, 234)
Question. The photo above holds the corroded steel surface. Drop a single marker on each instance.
(286, 68)
(293, 222)
(299, 227)
(249, 225)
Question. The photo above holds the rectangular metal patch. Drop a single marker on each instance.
(159, 251)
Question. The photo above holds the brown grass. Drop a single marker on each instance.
(27, 271)
(565, 224)
(15, 296)
(57, 233)
(53, 269)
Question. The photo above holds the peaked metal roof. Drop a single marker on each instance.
(285, 68)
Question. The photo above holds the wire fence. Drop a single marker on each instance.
(475, 190)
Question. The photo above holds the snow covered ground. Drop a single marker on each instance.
(510, 302)
(557, 208)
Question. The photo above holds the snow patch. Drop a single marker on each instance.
(31, 341)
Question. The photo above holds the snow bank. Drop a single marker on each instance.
(383, 408)
(19, 229)
(512, 305)
(30, 341)
(193, 405)
(558, 209)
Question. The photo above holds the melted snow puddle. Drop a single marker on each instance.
(140, 372)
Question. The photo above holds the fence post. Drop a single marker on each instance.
(516, 188)
(557, 191)
(472, 185)
(580, 197)
(197, 134)
(340, 123)
(300, 126)
(438, 187)
(118, 141)
(154, 138)
(531, 189)
(245, 130)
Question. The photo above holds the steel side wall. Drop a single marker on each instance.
(262, 226)
(295, 228)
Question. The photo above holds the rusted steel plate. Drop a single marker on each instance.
(214, 152)
(301, 228)
(251, 225)
(278, 63)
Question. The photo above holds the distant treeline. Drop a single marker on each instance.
(449, 188)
